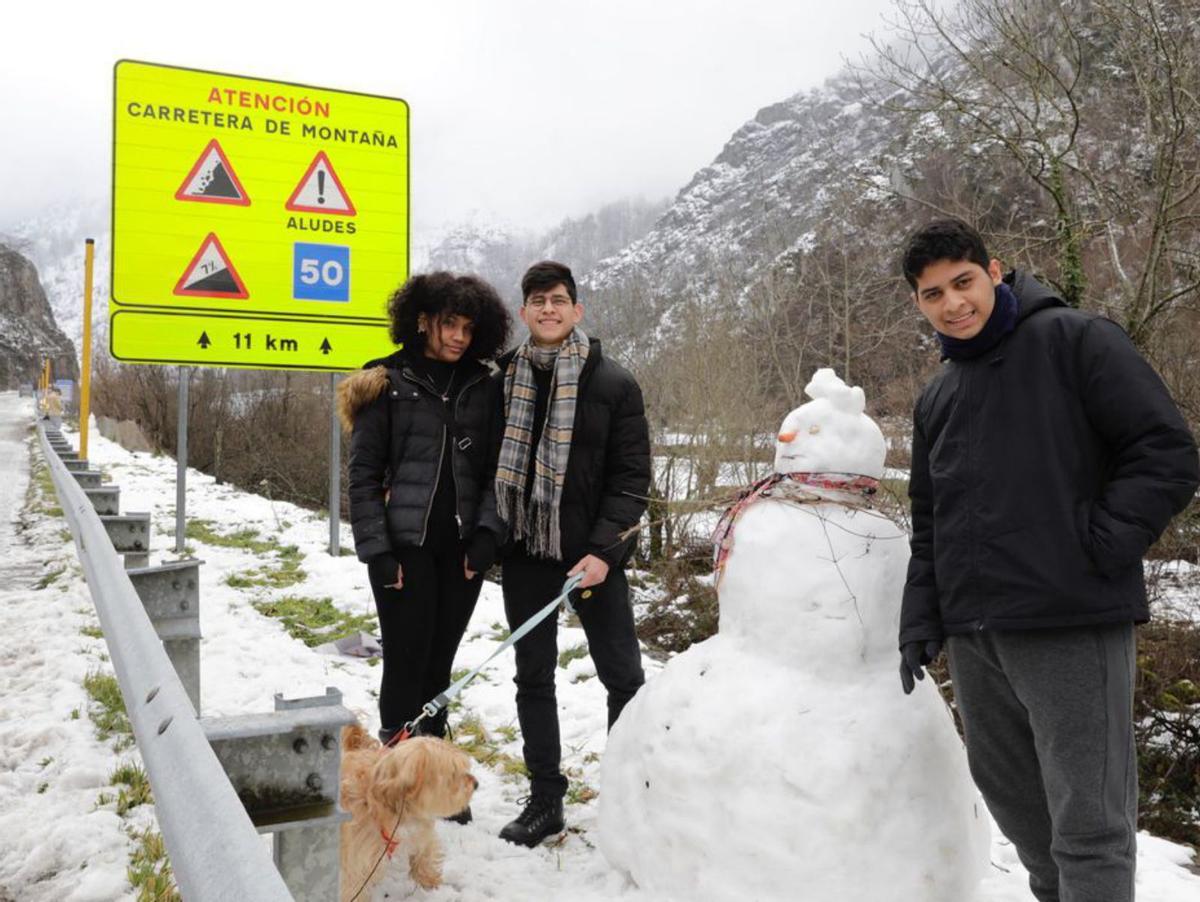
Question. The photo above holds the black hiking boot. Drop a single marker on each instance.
(542, 817)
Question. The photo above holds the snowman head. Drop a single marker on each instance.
(831, 433)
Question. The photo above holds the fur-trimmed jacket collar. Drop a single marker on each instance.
(359, 389)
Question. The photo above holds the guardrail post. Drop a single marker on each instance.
(105, 499)
(88, 479)
(170, 594)
(286, 768)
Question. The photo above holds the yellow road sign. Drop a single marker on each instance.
(246, 207)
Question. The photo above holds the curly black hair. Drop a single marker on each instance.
(439, 294)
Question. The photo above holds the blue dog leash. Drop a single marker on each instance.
(433, 707)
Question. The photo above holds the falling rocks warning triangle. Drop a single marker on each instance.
(210, 274)
(321, 191)
(212, 180)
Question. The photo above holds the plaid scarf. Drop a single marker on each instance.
(794, 488)
(538, 522)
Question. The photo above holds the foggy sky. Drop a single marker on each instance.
(523, 111)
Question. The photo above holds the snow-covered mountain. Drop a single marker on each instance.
(760, 198)
(54, 242)
(28, 332)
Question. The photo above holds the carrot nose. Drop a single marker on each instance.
(787, 437)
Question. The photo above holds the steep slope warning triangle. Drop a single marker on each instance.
(213, 180)
(210, 274)
(321, 191)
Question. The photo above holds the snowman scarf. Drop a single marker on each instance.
(794, 488)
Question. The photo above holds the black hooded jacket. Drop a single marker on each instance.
(607, 484)
(397, 443)
(1042, 471)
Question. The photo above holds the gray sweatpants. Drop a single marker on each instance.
(1048, 719)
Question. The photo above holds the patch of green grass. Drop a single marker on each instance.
(93, 631)
(579, 793)
(74, 714)
(346, 552)
(46, 762)
(204, 531)
(287, 573)
(508, 731)
(567, 655)
(42, 787)
(133, 788)
(65, 535)
(149, 871)
(500, 632)
(472, 737)
(315, 620)
(50, 577)
(40, 497)
(105, 798)
(107, 708)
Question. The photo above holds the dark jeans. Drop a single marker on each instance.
(421, 625)
(1048, 718)
(607, 619)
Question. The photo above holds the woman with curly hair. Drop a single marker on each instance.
(425, 425)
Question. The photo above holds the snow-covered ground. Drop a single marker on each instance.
(57, 843)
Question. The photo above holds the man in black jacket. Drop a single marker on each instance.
(1047, 456)
(572, 481)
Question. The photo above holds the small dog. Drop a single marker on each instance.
(393, 796)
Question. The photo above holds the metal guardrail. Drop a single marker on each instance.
(216, 853)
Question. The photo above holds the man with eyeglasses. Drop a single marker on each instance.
(572, 481)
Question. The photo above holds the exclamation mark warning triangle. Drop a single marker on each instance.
(210, 274)
(321, 191)
(213, 180)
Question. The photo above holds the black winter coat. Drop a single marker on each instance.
(396, 443)
(607, 483)
(1042, 470)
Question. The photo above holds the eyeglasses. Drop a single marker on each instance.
(557, 302)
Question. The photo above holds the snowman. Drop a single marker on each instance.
(780, 759)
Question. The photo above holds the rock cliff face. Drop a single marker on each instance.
(28, 332)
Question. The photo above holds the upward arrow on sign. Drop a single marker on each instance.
(326, 347)
(204, 341)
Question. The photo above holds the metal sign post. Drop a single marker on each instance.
(181, 453)
(335, 470)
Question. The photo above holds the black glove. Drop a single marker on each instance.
(914, 656)
(481, 550)
(381, 569)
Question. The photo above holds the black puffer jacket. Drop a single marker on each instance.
(396, 444)
(1042, 470)
(607, 484)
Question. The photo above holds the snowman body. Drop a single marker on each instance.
(780, 759)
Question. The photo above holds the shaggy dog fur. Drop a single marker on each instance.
(397, 793)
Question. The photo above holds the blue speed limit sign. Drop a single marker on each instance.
(321, 272)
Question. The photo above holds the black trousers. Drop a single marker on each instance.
(607, 619)
(421, 625)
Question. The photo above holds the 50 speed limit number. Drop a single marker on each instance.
(321, 272)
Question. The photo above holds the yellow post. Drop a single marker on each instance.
(85, 376)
